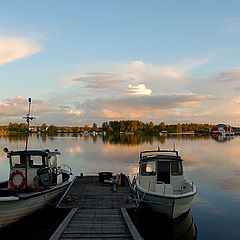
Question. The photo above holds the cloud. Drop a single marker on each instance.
(117, 79)
(98, 80)
(142, 107)
(18, 106)
(74, 112)
(229, 76)
(140, 89)
(14, 48)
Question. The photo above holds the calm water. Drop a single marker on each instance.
(213, 164)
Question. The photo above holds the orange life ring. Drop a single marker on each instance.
(11, 179)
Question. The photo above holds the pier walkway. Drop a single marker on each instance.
(97, 212)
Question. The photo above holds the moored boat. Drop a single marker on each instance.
(35, 181)
(160, 185)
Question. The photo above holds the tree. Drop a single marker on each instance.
(162, 125)
(75, 129)
(94, 127)
(44, 127)
(52, 129)
(179, 128)
(105, 126)
(86, 128)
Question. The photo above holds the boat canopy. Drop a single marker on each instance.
(35, 152)
(166, 155)
(18, 159)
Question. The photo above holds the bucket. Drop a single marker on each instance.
(104, 176)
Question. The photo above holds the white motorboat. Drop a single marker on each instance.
(35, 181)
(160, 185)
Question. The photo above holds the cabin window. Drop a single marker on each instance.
(148, 168)
(176, 168)
(18, 161)
(52, 161)
(36, 161)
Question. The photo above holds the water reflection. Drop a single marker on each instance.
(222, 138)
(155, 226)
(122, 139)
(214, 167)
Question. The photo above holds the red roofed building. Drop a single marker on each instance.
(223, 129)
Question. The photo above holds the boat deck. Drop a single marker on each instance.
(97, 212)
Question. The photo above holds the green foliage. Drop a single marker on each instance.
(75, 130)
(136, 126)
(95, 127)
(22, 127)
(52, 129)
(122, 126)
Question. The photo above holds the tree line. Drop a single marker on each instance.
(136, 126)
(122, 126)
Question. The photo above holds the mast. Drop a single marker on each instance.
(28, 118)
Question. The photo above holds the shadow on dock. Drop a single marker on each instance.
(98, 211)
(39, 226)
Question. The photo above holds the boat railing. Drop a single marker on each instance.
(145, 154)
(157, 182)
(66, 168)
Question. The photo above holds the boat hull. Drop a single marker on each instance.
(170, 207)
(13, 209)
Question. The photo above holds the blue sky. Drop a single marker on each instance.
(94, 61)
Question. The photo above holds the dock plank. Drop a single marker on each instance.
(88, 192)
(98, 211)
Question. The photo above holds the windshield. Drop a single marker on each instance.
(148, 168)
(18, 160)
(36, 161)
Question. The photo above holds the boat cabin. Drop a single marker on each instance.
(162, 171)
(33, 169)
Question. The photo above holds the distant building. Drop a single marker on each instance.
(223, 129)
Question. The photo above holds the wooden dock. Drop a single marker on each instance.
(97, 212)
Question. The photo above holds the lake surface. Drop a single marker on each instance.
(212, 163)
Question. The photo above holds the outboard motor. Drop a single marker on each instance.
(43, 177)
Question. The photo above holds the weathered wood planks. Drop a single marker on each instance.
(88, 192)
(98, 212)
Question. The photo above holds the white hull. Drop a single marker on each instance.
(13, 209)
(170, 206)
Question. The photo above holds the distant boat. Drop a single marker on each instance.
(160, 185)
(35, 181)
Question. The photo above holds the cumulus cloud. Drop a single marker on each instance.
(143, 107)
(146, 91)
(134, 78)
(140, 89)
(14, 48)
(75, 112)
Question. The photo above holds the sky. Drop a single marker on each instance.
(93, 61)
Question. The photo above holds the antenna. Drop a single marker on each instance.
(174, 146)
(158, 148)
(28, 118)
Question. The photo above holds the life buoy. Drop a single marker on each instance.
(11, 179)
